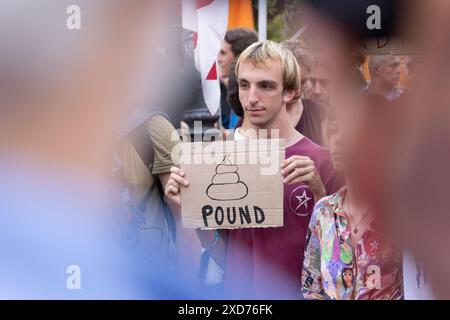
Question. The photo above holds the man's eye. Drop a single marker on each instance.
(304, 81)
(266, 86)
(325, 83)
(243, 85)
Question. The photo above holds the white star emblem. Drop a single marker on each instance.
(303, 200)
(374, 245)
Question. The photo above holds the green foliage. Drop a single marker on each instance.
(283, 18)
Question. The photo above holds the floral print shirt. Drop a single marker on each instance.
(333, 269)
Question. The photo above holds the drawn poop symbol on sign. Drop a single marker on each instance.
(226, 184)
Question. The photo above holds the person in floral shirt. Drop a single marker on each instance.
(345, 257)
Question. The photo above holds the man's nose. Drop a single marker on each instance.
(317, 88)
(338, 139)
(252, 95)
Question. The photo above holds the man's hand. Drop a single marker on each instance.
(176, 180)
(300, 169)
(207, 237)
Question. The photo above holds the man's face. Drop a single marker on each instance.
(306, 77)
(340, 141)
(388, 71)
(224, 59)
(261, 91)
(344, 128)
(315, 86)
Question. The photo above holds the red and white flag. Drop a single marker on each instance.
(208, 19)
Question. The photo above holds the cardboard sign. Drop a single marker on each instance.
(388, 46)
(233, 184)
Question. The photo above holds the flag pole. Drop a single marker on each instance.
(262, 19)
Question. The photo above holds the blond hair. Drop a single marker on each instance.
(258, 53)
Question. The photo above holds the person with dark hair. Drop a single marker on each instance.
(233, 93)
(236, 40)
(347, 278)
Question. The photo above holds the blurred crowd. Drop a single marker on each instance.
(366, 151)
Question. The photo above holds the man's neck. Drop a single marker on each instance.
(295, 111)
(356, 202)
(246, 125)
(282, 128)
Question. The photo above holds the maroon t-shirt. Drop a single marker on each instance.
(310, 123)
(267, 262)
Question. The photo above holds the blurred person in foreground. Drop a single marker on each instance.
(236, 40)
(346, 257)
(56, 138)
(151, 231)
(410, 157)
(264, 262)
(403, 151)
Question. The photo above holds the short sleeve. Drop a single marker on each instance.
(165, 139)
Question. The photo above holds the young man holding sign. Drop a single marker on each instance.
(266, 262)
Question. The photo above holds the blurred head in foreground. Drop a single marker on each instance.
(63, 93)
(405, 170)
(74, 91)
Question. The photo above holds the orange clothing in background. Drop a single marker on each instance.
(240, 14)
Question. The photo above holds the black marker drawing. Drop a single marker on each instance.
(226, 185)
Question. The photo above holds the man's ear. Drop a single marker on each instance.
(290, 95)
